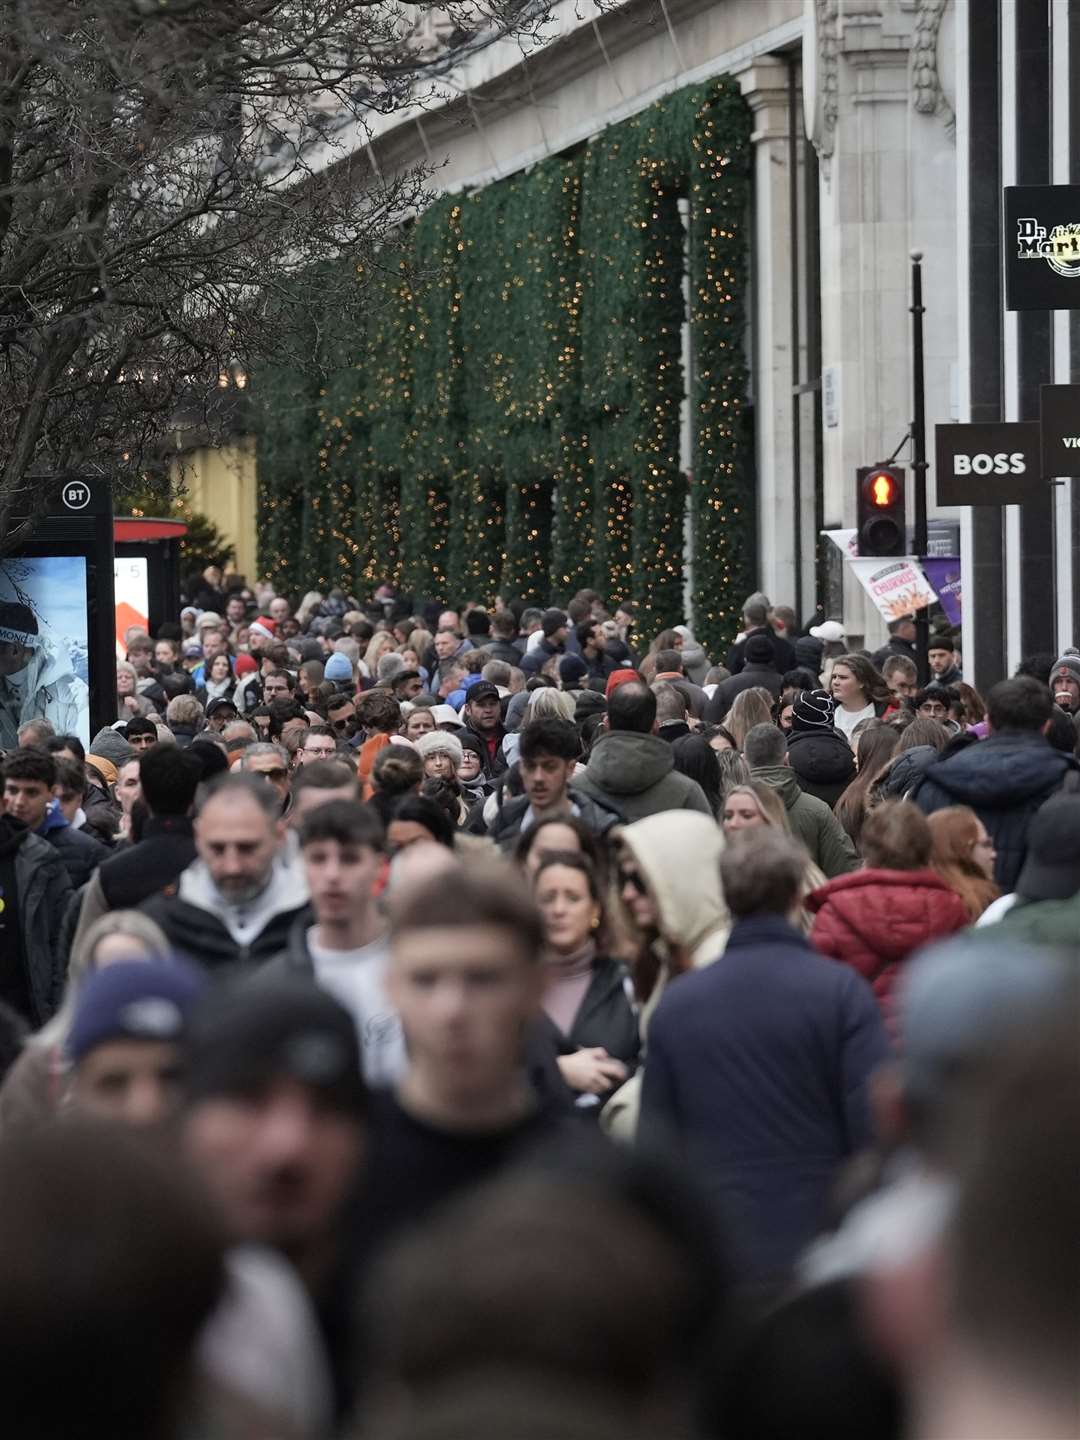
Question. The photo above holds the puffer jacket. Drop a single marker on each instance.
(597, 815)
(905, 772)
(1004, 779)
(873, 920)
(827, 842)
(823, 763)
(636, 774)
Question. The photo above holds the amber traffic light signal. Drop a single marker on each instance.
(882, 524)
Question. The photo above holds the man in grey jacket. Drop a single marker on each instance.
(630, 768)
(811, 820)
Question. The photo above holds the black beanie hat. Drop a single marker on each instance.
(813, 710)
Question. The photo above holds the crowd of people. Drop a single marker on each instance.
(423, 1023)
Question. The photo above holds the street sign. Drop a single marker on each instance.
(988, 464)
(1060, 426)
(1042, 247)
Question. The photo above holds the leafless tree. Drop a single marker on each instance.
(172, 174)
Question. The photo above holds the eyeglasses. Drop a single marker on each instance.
(277, 774)
(634, 880)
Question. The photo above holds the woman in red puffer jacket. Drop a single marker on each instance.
(876, 917)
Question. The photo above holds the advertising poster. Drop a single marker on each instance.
(44, 646)
(132, 587)
(943, 572)
(897, 587)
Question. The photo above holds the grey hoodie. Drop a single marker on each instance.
(636, 775)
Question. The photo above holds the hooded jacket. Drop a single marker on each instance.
(906, 771)
(635, 774)
(783, 651)
(757, 1073)
(46, 689)
(873, 920)
(79, 851)
(1004, 779)
(43, 890)
(677, 854)
(811, 821)
(596, 814)
(823, 763)
(201, 925)
(694, 660)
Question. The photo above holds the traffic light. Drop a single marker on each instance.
(881, 519)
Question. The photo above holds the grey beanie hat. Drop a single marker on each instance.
(111, 745)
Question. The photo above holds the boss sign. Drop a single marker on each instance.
(987, 464)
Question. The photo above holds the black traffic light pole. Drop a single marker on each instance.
(918, 439)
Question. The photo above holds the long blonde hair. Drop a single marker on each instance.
(748, 710)
(148, 937)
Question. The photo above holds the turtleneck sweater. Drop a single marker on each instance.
(568, 978)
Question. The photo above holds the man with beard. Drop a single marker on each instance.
(235, 904)
(1065, 683)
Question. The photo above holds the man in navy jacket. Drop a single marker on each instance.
(758, 1065)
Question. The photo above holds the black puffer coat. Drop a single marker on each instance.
(823, 763)
(1004, 779)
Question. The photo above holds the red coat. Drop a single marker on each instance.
(874, 919)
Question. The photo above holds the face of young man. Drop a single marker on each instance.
(545, 778)
(484, 715)
(128, 785)
(464, 994)
(238, 842)
(145, 739)
(275, 687)
(1066, 692)
(340, 878)
(901, 686)
(316, 747)
(279, 1161)
(136, 1082)
(934, 710)
(941, 661)
(165, 654)
(342, 718)
(27, 801)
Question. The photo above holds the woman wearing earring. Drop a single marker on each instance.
(587, 1003)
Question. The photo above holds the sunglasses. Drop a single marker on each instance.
(634, 880)
(278, 773)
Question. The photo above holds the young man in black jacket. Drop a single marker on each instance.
(29, 776)
(34, 891)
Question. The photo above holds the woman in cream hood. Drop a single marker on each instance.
(681, 915)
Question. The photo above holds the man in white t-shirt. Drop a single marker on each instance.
(340, 941)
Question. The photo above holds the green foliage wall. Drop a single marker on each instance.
(503, 409)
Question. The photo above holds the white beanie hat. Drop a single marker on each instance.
(440, 742)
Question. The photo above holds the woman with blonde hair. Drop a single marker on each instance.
(963, 855)
(33, 1086)
(380, 644)
(754, 804)
(307, 607)
(748, 710)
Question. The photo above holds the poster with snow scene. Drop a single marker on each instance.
(44, 645)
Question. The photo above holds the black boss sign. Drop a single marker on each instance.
(988, 464)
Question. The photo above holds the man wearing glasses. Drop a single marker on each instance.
(272, 762)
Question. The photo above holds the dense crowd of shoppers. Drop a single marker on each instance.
(424, 1023)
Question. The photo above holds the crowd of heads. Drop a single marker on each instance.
(425, 1023)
